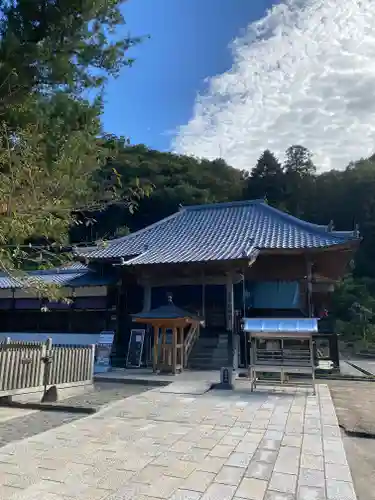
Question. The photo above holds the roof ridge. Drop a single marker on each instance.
(225, 204)
(56, 270)
(117, 241)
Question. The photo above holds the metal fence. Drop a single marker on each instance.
(33, 365)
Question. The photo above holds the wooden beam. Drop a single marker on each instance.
(174, 351)
(182, 348)
(156, 342)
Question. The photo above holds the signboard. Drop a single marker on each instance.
(103, 352)
(135, 348)
(325, 364)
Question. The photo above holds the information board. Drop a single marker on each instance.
(135, 348)
(103, 352)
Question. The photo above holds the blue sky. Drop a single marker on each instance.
(189, 43)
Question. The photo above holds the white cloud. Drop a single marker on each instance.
(304, 74)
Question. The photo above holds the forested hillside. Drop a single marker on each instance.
(344, 198)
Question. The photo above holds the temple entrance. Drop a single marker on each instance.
(215, 308)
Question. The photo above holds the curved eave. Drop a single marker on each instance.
(350, 245)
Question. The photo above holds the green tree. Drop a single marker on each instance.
(53, 53)
(266, 180)
(300, 174)
(175, 180)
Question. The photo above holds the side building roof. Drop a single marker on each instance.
(73, 275)
(222, 231)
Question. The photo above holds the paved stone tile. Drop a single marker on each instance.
(198, 481)
(230, 475)
(311, 477)
(162, 487)
(311, 493)
(194, 455)
(278, 495)
(212, 464)
(338, 472)
(185, 495)
(292, 440)
(253, 436)
(259, 470)
(149, 474)
(275, 434)
(288, 460)
(183, 446)
(259, 424)
(312, 461)
(7, 492)
(252, 489)
(221, 451)
(340, 490)
(312, 445)
(268, 456)
(130, 491)
(217, 491)
(156, 444)
(331, 431)
(230, 441)
(270, 444)
(248, 447)
(180, 469)
(237, 432)
(239, 460)
(207, 443)
(285, 483)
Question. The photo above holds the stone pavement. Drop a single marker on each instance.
(7, 414)
(222, 445)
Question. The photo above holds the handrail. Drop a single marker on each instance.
(190, 340)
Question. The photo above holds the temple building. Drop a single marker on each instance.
(90, 308)
(222, 262)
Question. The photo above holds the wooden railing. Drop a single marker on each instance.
(37, 365)
(21, 365)
(191, 337)
(283, 357)
(70, 364)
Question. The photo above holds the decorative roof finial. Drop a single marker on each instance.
(170, 298)
(331, 226)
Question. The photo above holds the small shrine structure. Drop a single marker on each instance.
(175, 332)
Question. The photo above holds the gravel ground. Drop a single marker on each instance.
(105, 393)
(355, 407)
(36, 422)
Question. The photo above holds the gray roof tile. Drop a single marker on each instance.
(223, 231)
(74, 275)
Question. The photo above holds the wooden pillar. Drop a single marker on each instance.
(309, 288)
(203, 297)
(156, 345)
(182, 347)
(233, 344)
(174, 350)
(163, 345)
(146, 297)
(229, 302)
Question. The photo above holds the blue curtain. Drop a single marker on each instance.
(274, 295)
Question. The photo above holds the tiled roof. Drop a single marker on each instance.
(168, 311)
(223, 231)
(74, 275)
